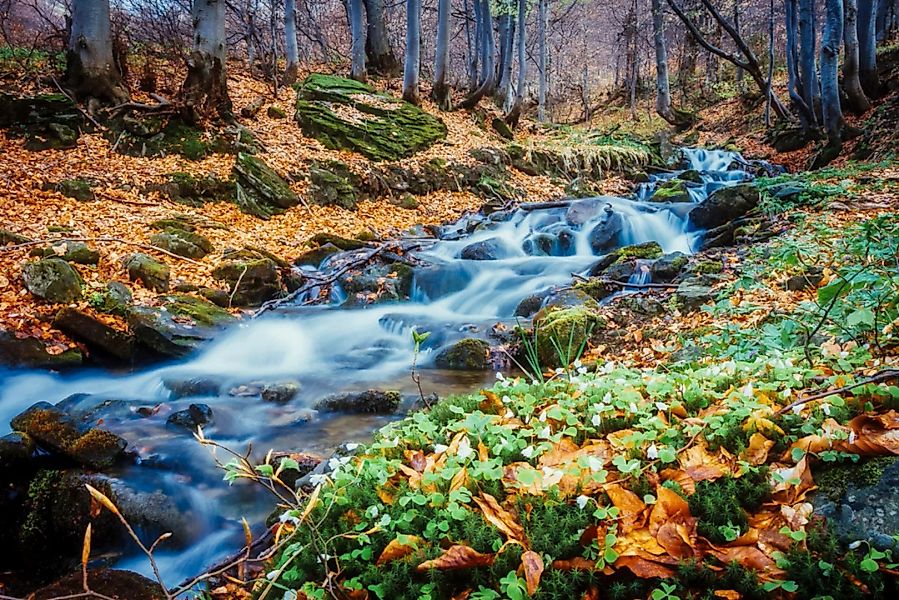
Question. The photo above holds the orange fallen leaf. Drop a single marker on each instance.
(457, 557)
(398, 549)
(499, 517)
(532, 565)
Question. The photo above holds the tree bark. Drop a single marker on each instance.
(514, 113)
(379, 54)
(663, 88)
(471, 38)
(542, 18)
(487, 50)
(852, 84)
(291, 50)
(808, 77)
(831, 40)
(206, 87)
(441, 91)
(413, 52)
(867, 47)
(506, 44)
(357, 40)
(90, 66)
(806, 116)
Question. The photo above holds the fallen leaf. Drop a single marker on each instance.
(399, 547)
(457, 557)
(757, 452)
(499, 517)
(532, 565)
(644, 568)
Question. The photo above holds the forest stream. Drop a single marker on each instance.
(469, 281)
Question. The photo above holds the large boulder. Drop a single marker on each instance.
(154, 275)
(182, 242)
(581, 211)
(333, 184)
(668, 267)
(725, 205)
(377, 283)
(469, 354)
(348, 115)
(53, 280)
(31, 352)
(673, 190)
(607, 233)
(367, 402)
(693, 293)
(252, 280)
(71, 252)
(178, 327)
(45, 120)
(491, 249)
(94, 333)
(261, 191)
(562, 332)
(110, 583)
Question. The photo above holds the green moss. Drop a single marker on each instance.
(647, 250)
(720, 506)
(707, 267)
(333, 184)
(182, 242)
(196, 190)
(673, 190)
(261, 190)
(200, 310)
(835, 479)
(78, 189)
(467, 354)
(562, 331)
(387, 128)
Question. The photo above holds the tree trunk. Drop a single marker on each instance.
(357, 40)
(488, 57)
(441, 91)
(739, 76)
(206, 86)
(90, 67)
(471, 38)
(506, 39)
(518, 105)
(291, 50)
(858, 102)
(380, 56)
(831, 40)
(808, 78)
(867, 47)
(542, 18)
(413, 52)
(806, 117)
(663, 89)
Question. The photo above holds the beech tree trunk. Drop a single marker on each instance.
(379, 54)
(831, 40)
(808, 77)
(806, 116)
(90, 67)
(506, 44)
(542, 18)
(514, 112)
(472, 10)
(487, 51)
(413, 52)
(441, 91)
(357, 40)
(867, 47)
(206, 86)
(858, 102)
(291, 50)
(663, 89)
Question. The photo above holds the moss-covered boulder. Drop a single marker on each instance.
(53, 280)
(333, 184)
(349, 115)
(153, 274)
(31, 352)
(692, 293)
(668, 267)
(183, 243)
(366, 402)
(725, 205)
(53, 430)
(251, 280)
(202, 311)
(94, 333)
(561, 333)
(71, 252)
(77, 189)
(673, 190)
(469, 354)
(165, 330)
(196, 190)
(45, 120)
(260, 190)
(345, 244)
(377, 283)
(316, 256)
(114, 299)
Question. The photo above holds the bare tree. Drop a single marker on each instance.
(440, 92)
(379, 54)
(412, 65)
(487, 50)
(90, 68)
(357, 40)
(858, 102)
(205, 89)
(291, 51)
(542, 17)
(831, 40)
(867, 47)
(514, 112)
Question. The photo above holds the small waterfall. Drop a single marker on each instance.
(330, 349)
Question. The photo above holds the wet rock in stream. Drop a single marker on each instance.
(469, 354)
(111, 583)
(192, 417)
(365, 402)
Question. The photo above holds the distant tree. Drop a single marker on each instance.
(867, 46)
(357, 40)
(91, 72)
(506, 29)
(794, 86)
(487, 51)
(205, 89)
(663, 88)
(379, 55)
(858, 102)
(514, 113)
(440, 91)
(412, 65)
(808, 71)
(472, 35)
(291, 51)
(831, 40)
(542, 18)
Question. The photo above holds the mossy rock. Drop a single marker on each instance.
(71, 252)
(183, 243)
(260, 190)
(45, 120)
(707, 267)
(115, 584)
(251, 280)
(276, 112)
(568, 328)
(53, 280)
(315, 257)
(469, 354)
(77, 189)
(114, 300)
(150, 272)
(674, 190)
(164, 332)
(200, 310)
(376, 284)
(333, 184)
(156, 136)
(31, 352)
(94, 333)
(385, 128)
(502, 128)
(646, 250)
(345, 244)
(8, 237)
(194, 190)
(366, 402)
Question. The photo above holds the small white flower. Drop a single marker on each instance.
(797, 409)
(633, 407)
(464, 449)
(289, 595)
(578, 364)
(507, 400)
(582, 370)
(545, 432)
(542, 417)
(826, 408)
(652, 452)
(748, 390)
(288, 518)
(596, 419)
(509, 414)
(607, 399)
(318, 478)
(559, 371)
(350, 446)
(582, 502)
(662, 406)
(594, 463)
(855, 545)
(500, 376)
(787, 393)
(272, 574)
(528, 452)
(852, 437)
(440, 448)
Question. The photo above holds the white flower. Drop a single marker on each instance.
(272, 574)
(855, 545)
(826, 408)
(787, 393)
(335, 463)
(797, 409)
(545, 432)
(350, 446)
(748, 390)
(652, 452)
(852, 437)
(607, 399)
(594, 463)
(509, 414)
(288, 518)
(582, 502)
(607, 368)
(318, 478)
(559, 371)
(578, 364)
(633, 407)
(542, 417)
(464, 449)
(582, 370)
(596, 419)
(662, 406)
(528, 452)
(500, 377)
(440, 448)
(289, 595)
(507, 400)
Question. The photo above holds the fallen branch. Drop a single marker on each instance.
(112, 240)
(319, 282)
(529, 206)
(640, 286)
(884, 375)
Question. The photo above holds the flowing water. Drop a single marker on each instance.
(330, 349)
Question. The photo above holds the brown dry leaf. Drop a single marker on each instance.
(532, 565)
(396, 549)
(639, 542)
(459, 479)
(457, 557)
(577, 563)
(491, 405)
(625, 500)
(592, 593)
(681, 478)
(749, 557)
(793, 483)
(727, 594)
(676, 540)
(416, 460)
(500, 518)
(644, 568)
(669, 508)
(757, 452)
(701, 465)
